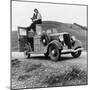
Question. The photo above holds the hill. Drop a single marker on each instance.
(73, 29)
(14, 41)
(82, 27)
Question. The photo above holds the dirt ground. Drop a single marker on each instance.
(40, 71)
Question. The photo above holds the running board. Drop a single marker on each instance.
(71, 50)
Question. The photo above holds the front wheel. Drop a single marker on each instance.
(54, 53)
(76, 54)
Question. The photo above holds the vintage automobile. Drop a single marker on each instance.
(48, 42)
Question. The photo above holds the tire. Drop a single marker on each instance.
(54, 53)
(27, 50)
(76, 54)
(27, 55)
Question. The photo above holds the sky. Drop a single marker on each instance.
(23, 11)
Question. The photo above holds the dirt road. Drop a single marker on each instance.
(66, 59)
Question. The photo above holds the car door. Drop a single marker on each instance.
(22, 38)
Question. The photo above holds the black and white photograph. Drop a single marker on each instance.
(49, 44)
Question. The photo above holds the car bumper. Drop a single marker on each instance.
(71, 50)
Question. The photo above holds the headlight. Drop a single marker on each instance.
(73, 37)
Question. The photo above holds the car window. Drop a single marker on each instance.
(22, 32)
(55, 30)
(49, 31)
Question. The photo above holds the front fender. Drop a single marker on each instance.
(77, 43)
(55, 42)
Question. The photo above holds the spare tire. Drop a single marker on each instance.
(45, 39)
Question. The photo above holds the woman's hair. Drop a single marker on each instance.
(35, 9)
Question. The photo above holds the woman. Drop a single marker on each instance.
(36, 19)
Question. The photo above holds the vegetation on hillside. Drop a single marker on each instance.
(82, 27)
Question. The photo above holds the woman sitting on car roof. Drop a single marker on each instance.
(36, 19)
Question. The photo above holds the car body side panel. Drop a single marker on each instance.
(38, 46)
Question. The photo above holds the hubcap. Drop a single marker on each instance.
(54, 52)
(44, 40)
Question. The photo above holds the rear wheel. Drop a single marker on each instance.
(76, 54)
(27, 54)
(54, 53)
(27, 50)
